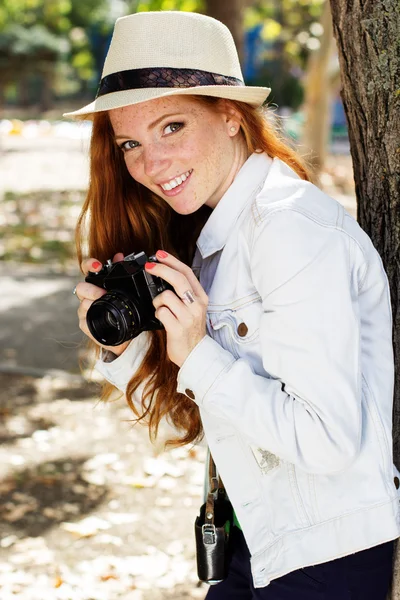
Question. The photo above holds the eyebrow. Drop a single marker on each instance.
(151, 126)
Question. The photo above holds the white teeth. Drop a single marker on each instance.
(175, 182)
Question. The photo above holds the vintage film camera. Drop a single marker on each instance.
(127, 308)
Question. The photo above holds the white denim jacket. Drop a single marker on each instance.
(294, 379)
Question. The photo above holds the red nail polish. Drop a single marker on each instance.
(162, 253)
(96, 265)
(150, 265)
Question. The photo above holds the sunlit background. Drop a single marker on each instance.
(89, 510)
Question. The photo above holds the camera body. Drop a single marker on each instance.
(127, 308)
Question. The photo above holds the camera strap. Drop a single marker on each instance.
(216, 490)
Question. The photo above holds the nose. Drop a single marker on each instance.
(155, 160)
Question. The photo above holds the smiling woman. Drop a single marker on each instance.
(190, 162)
(261, 318)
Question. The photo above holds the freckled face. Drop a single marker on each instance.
(182, 150)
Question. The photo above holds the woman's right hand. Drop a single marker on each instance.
(87, 293)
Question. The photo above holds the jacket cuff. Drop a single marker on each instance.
(201, 369)
(120, 370)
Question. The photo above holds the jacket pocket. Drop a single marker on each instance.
(265, 460)
(222, 330)
(380, 433)
(297, 496)
(237, 328)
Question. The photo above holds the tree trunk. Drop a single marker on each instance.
(46, 93)
(229, 12)
(367, 35)
(24, 99)
(319, 96)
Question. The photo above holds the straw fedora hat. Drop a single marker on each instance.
(164, 53)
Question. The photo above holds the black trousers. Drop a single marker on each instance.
(365, 575)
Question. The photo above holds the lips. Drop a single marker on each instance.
(173, 183)
(167, 188)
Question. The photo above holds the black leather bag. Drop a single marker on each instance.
(213, 532)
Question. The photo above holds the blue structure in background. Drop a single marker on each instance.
(338, 114)
(252, 45)
(252, 65)
(100, 43)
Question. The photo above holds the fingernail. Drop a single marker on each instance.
(96, 264)
(162, 253)
(150, 265)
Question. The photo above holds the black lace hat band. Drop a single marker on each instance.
(163, 77)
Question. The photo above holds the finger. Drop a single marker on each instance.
(178, 281)
(90, 264)
(83, 308)
(178, 265)
(167, 318)
(89, 291)
(175, 305)
(118, 257)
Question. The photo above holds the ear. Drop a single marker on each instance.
(232, 118)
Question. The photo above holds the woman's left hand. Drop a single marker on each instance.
(183, 314)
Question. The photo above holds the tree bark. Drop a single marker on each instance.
(229, 12)
(367, 35)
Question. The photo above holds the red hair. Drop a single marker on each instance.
(120, 215)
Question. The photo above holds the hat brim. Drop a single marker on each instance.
(255, 96)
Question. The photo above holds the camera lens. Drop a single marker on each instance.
(113, 319)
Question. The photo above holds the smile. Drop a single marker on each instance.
(173, 183)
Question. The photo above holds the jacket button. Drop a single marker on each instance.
(190, 394)
(396, 482)
(242, 329)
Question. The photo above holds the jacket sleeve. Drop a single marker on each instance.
(306, 409)
(121, 369)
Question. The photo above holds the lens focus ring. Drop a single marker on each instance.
(113, 319)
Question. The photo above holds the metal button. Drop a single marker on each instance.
(189, 393)
(242, 329)
(396, 482)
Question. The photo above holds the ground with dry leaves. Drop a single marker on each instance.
(88, 510)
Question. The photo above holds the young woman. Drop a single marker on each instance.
(277, 334)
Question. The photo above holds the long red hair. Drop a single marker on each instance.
(121, 215)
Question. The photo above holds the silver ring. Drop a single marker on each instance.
(188, 297)
(74, 291)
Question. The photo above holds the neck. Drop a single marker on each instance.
(240, 155)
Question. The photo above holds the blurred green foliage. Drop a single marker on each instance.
(57, 47)
(36, 35)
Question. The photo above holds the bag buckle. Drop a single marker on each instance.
(214, 484)
(209, 535)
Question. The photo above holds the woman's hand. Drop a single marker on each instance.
(183, 315)
(87, 293)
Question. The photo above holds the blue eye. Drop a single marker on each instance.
(173, 127)
(129, 145)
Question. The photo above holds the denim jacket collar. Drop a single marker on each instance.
(244, 188)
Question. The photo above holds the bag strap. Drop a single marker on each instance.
(215, 489)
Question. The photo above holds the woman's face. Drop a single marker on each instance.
(186, 152)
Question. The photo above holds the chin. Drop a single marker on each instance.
(184, 211)
(185, 208)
